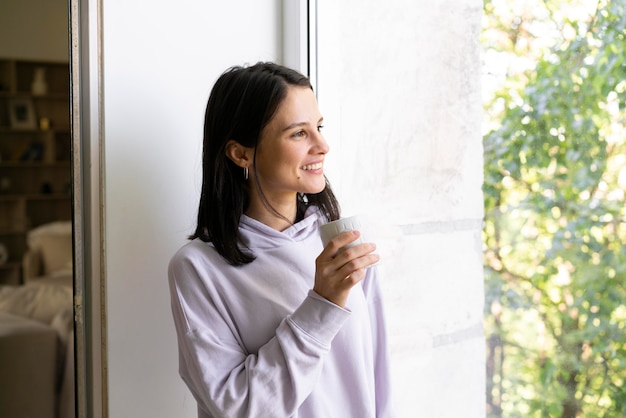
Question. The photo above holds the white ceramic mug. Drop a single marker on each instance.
(332, 229)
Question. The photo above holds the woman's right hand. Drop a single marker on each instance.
(337, 269)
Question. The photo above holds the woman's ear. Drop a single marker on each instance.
(240, 155)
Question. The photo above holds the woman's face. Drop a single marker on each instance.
(290, 154)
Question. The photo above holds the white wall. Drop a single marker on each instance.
(399, 87)
(160, 61)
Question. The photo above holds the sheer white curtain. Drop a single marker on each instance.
(399, 87)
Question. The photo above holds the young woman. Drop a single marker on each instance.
(270, 323)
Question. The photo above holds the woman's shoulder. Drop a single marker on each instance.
(193, 252)
(197, 264)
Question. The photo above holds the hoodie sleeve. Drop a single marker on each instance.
(224, 379)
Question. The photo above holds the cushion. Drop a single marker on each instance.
(53, 241)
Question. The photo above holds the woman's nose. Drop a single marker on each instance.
(321, 146)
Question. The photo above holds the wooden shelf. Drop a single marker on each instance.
(35, 146)
(9, 130)
(16, 232)
(34, 165)
(25, 94)
(10, 265)
(34, 196)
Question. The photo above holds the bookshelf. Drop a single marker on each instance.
(35, 154)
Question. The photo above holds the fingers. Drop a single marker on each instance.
(342, 241)
(347, 249)
(341, 266)
(355, 258)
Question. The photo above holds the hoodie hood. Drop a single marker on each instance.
(255, 234)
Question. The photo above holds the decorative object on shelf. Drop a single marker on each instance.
(46, 187)
(39, 86)
(22, 113)
(34, 152)
(44, 124)
(4, 254)
(5, 184)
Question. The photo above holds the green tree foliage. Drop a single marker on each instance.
(555, 227)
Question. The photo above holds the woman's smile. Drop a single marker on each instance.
(316, 167)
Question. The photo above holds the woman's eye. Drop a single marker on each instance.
(299, 134)
(319, 128)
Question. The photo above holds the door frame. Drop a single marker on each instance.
(87, 208)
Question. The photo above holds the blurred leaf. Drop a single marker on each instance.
(555, 217)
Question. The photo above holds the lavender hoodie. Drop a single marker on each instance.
(256, 341)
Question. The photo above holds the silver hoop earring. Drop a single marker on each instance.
(245, 173)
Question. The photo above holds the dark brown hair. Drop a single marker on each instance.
(242, 102)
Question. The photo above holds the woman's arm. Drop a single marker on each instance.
(228, 382)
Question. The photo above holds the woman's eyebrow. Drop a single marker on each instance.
(299, 124)
(294, 125)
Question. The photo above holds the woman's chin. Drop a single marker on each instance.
(314, 190)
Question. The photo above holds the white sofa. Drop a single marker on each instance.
(37, 332)
(28, 351)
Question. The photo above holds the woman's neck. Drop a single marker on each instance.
(280, 218)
